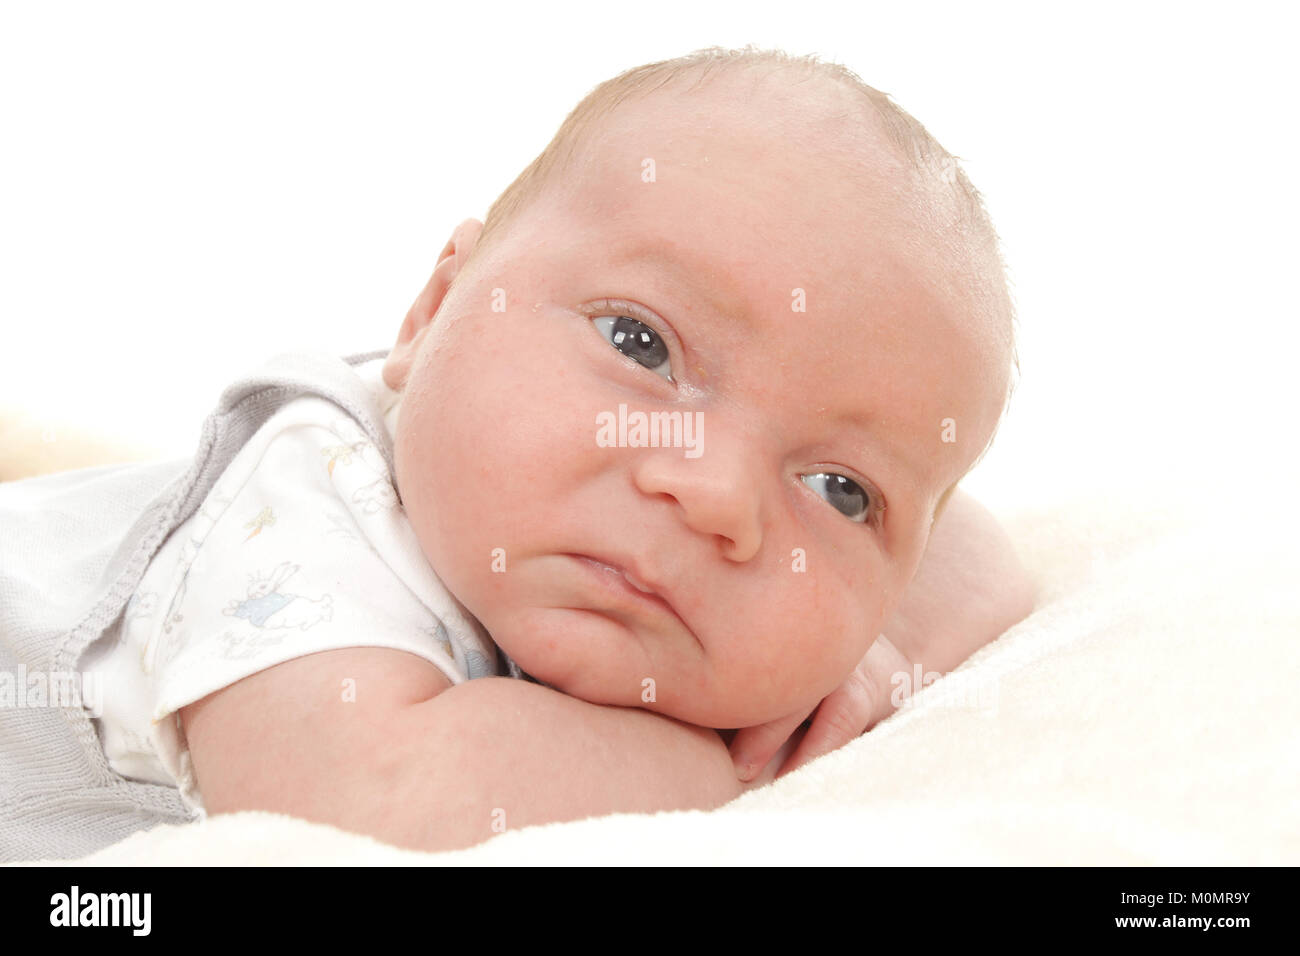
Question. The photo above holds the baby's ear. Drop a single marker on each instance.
(419, 318)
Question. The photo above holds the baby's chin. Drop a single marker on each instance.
(719, 706)
(712, 713)
(593, 658)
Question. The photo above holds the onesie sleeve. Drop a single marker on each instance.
(300, 547)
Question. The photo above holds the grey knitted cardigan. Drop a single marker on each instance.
(73, 548)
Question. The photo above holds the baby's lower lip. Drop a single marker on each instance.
(617, 581)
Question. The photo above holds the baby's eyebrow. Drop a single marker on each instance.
(722, 296)
(899, 464)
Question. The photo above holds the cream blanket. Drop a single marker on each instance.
(1148, 712)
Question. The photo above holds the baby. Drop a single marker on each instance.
(675, 427)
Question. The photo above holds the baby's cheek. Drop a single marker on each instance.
(840, 641)
(806, 662)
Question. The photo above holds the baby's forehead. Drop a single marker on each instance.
(753, 208)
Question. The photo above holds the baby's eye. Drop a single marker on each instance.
(637, 341)
(845, 494)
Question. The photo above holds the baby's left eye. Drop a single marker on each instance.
(844, 494)
(637, 341)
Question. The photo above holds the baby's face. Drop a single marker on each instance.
(781, 298)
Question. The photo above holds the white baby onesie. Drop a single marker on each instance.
(301, 546)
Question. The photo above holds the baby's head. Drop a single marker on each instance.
(788, 263)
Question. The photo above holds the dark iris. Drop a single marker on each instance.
(845, 494)
(639, 342)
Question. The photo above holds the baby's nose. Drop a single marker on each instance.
(716, 491)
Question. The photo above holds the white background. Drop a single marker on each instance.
(188, 189)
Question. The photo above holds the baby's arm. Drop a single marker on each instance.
(419, 763)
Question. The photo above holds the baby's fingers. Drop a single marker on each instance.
(857, 705)
(753, 747)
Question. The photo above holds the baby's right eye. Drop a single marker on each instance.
(637, 341)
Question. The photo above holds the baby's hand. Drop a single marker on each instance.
(857, 705)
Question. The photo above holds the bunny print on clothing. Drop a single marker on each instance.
(301, 546)
(267, 606)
